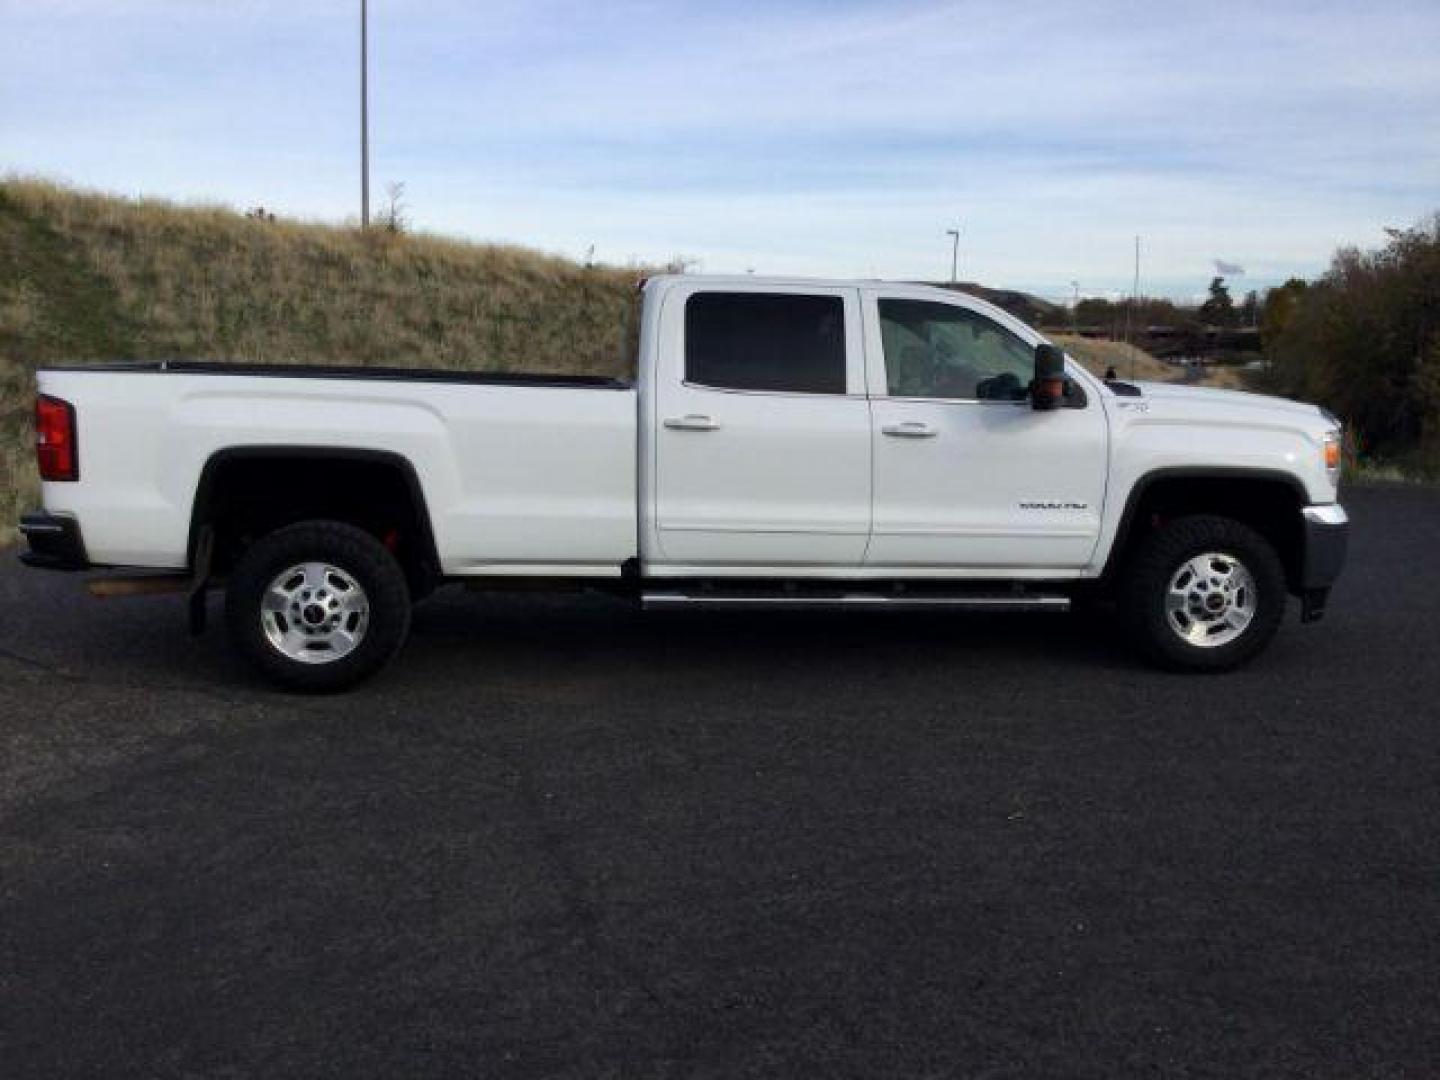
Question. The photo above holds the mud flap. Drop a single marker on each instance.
(200, 580)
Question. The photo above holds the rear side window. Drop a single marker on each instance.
(766, 341)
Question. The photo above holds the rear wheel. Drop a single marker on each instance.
(1203, 594)
(318, 606)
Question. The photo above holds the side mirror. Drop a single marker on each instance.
(1048, 389)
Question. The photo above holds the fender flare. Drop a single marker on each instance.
(1148, 480)
(201, 505)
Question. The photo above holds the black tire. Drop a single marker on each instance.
(352, 551)
(1159, 557)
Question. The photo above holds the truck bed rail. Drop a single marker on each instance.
(351, 371)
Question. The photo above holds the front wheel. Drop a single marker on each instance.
(1203, 594)
(318, 606)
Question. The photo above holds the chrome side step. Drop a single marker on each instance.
(667, 601)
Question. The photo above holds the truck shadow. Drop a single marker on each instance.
(462, 639)
(549, 631)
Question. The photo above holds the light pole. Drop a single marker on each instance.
(1075, 310)
(954, 235)
(364, 115)
(1134, 299)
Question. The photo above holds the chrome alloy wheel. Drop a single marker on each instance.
(315, 613)
(1211, 600)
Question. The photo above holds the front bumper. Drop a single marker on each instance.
(55, 542)
(1326, 539)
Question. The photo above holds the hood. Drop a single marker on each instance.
(1247, 405)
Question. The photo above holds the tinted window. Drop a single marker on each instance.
(766, 341)
(935, 350)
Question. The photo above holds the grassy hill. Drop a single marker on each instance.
(1024, 306)
(1131, 362)
(86, 277)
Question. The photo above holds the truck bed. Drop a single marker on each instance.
(521, 474)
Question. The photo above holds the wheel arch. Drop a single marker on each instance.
(376, 490)
(1267, 500)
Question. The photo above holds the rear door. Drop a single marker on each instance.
(968, 476)
(762, 427)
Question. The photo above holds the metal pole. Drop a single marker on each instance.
(1075, 310)
(1134, 298)
(364, 115)
(954, 255)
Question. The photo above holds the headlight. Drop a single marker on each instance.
(1333, 455)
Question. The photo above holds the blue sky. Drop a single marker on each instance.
(837, 138)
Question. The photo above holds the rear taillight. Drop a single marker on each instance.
(55, 448)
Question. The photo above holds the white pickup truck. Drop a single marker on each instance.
(787, 444)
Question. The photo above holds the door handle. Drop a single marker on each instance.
(910, 429)
(691, 422)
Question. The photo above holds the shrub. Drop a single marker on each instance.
(1364, 341)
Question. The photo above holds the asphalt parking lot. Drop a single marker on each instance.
(560, 838)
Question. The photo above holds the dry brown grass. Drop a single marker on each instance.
(1131, 362)
(209, 281)
(1225, 378)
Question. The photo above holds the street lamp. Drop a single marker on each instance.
(1134, 299)
(954, 235)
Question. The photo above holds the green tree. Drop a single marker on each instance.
(1219, 310)
(1280, 306)
(1364, 340)
(1093, 311)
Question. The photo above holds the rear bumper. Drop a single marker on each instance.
(1326, 541)
(54, 542)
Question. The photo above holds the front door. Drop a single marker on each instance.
(762, 429)
(967, 475)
